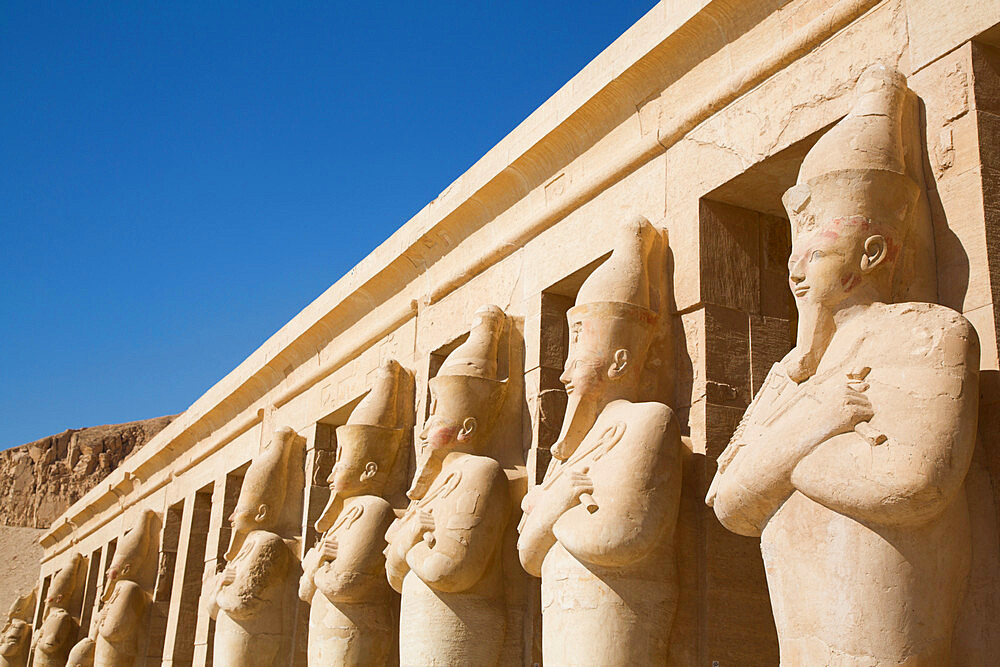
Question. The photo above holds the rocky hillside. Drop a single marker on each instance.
(40, 480)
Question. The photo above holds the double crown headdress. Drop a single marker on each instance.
(467, 385)
(468, 379)
(618, 301)
(377, 428)
(858, 168)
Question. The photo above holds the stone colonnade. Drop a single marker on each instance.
(698, 120)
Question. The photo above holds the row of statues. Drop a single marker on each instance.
(849, 465)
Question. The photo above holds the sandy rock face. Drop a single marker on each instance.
(41, 479)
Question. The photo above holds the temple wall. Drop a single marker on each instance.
(696, 118)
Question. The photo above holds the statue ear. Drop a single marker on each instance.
(261, 512)
(617, 369)
(468, 428)
(876, 249)
(370, 469)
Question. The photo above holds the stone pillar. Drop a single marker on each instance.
(94, 566)
(213, 555)
(546, 342)
(191, 568)
(744, 323)
(961, 96)
(160, 609)
(321, 451)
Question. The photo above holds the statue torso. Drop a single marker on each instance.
(359, 632)
(846, 591)
(617, 615)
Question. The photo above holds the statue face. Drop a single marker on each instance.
(585, 372)
(12, 640)
(116, 572)
(245, 519)
(351, 474)
(51, 639)
(827, 265)
(595, 361)
(446, 427)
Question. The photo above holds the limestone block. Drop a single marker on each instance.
(938, 27)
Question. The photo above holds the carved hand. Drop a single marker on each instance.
(420, 523)
(568, 492)
(531, 499)
(842, 406)
(328, 549)
(228, 575)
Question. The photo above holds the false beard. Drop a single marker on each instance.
(235, 544)
(109, 588)
(814, 331)
(580, 418)
(428, 466)
(329, 514)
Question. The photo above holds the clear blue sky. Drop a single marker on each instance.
(178, 180)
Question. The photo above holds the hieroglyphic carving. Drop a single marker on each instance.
(249, 597)
(599, 529)
(850, 462)
(353, 611)
(443, 554)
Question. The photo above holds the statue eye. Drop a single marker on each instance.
(816, 254)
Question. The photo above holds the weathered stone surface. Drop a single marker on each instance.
(353, 617)
(40, 480)
(251, 599)
(444, 552)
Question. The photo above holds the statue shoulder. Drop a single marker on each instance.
(923, 328)
(267, 546)
(130, 588)
(654, 412)
(647, 417)
(481, 470)
(374, 506)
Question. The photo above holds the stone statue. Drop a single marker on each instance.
(121, 622)
(248, 598)
(353, 614)
(82, 654)
(15, 638)
(850, 462)
(444, 553)
(599, 529)
(58, 633)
